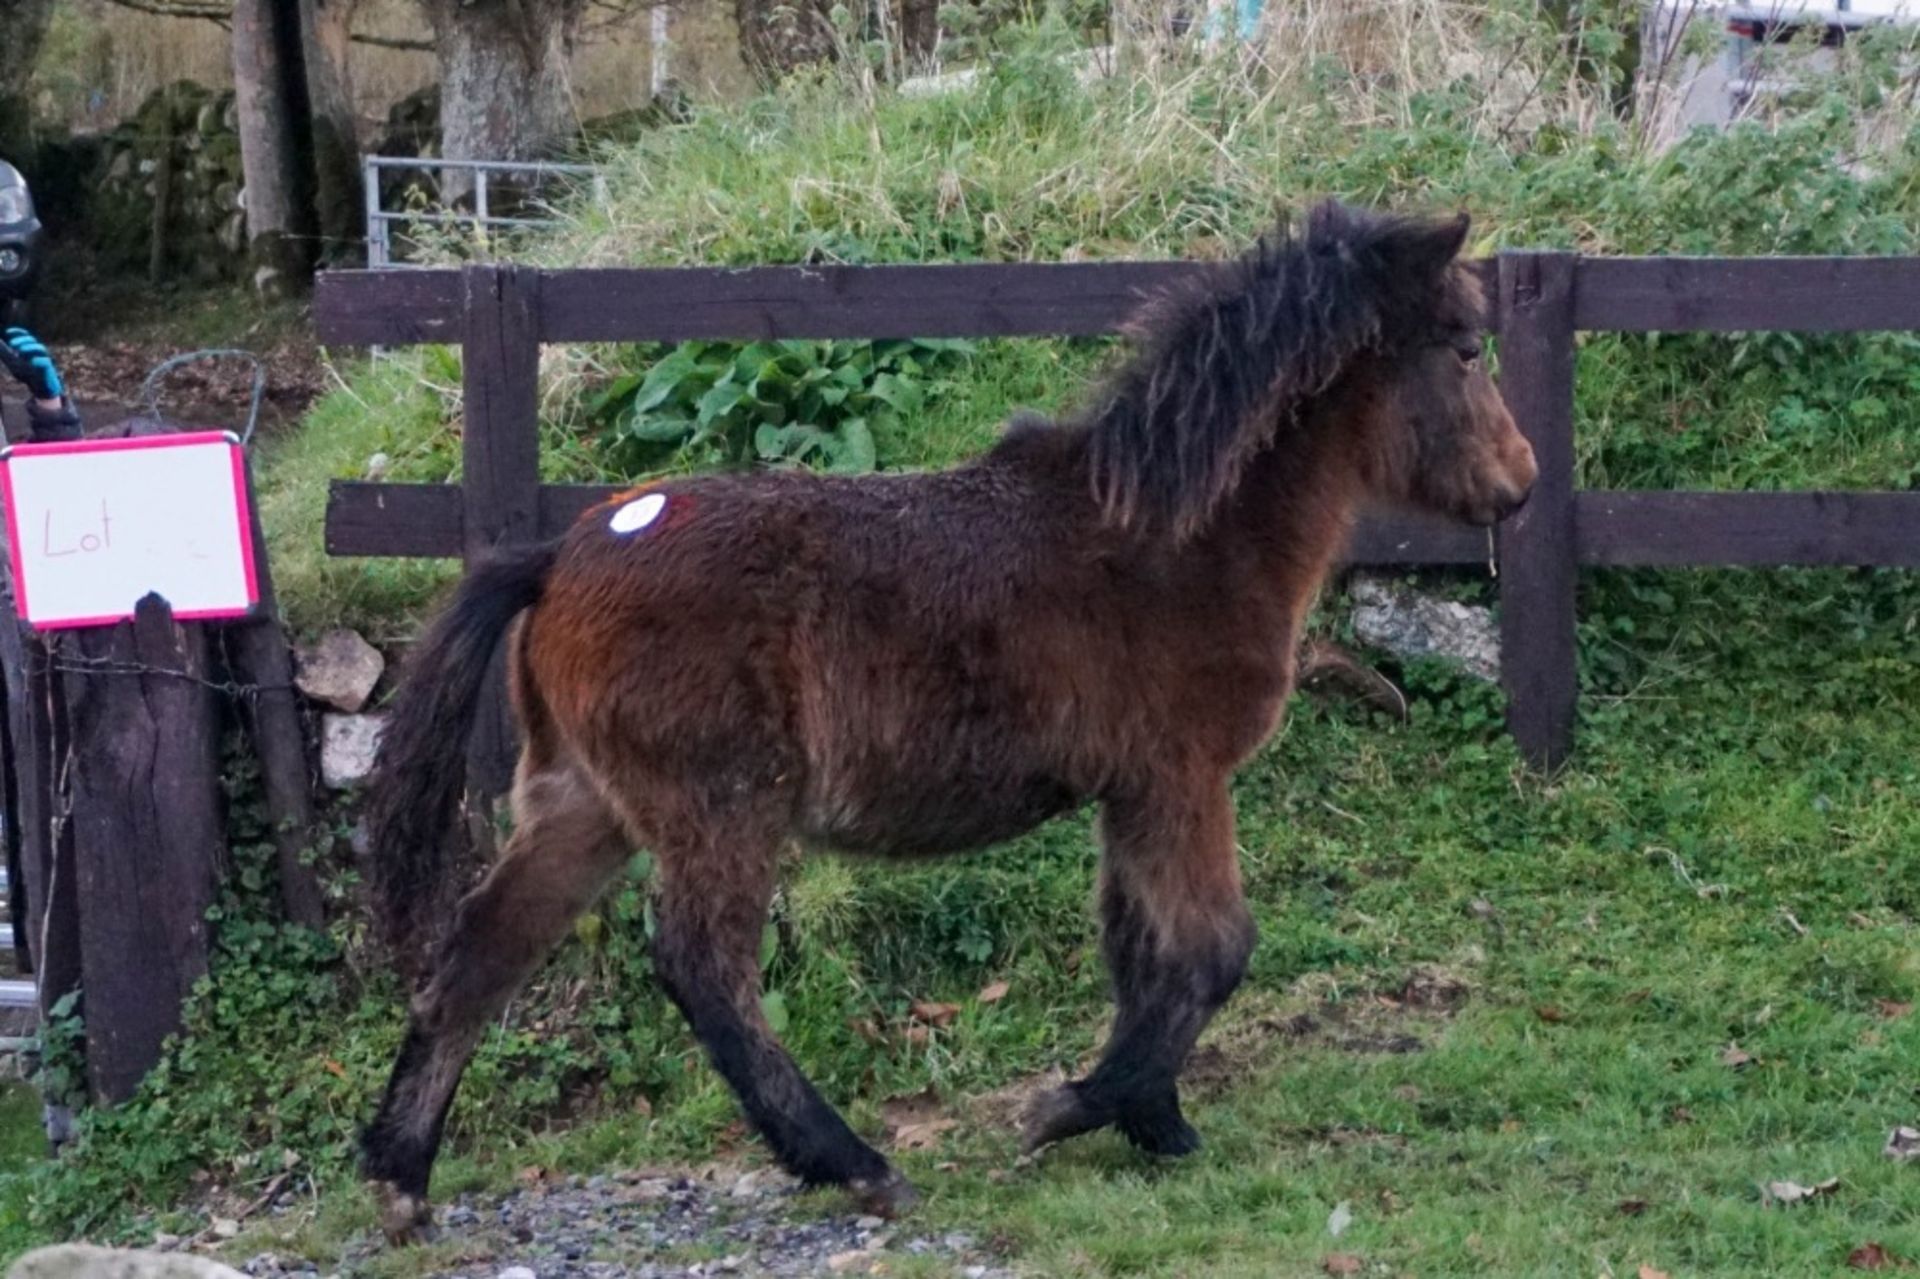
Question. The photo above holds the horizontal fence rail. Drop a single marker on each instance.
(500, 315)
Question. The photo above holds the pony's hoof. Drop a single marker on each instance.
(891, 1196)
(1056, 1115)
(405, 1219)
(1166, 1134)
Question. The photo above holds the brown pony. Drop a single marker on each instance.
(1102, 609)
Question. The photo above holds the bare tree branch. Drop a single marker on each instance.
(393, 42)
(219, 14)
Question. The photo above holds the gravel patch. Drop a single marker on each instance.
(645, 1225)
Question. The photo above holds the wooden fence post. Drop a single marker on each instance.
(500, 458)
(37, 727)
(258, 654)
(148, 835)
(1537, 547)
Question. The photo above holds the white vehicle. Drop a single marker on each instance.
(1752, 27)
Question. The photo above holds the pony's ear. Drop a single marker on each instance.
(1426, 248)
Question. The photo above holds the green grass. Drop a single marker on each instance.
(1733, 859)
(23, 1146)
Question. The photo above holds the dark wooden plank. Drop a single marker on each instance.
(500, 464)
(965, 300)
(148, 834)
(424, 520)
(500, 380)
(394, 519)
(1412, 537)
(258, 655)
(1614, 528)
(1729, 529)
(17, 917)
(37, 724)
(562, 504)
(386, 308)
(1537, 546)
(1036, 299)
(1719, 295)
(1673, 294)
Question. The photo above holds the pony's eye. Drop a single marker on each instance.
(1469, 353)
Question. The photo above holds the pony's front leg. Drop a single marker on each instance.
(1177, 935)
(716, 881)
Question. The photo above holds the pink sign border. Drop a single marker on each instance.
(242, 508)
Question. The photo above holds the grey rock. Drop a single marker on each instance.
(1410, 623)
(348, 744)
(340, 671)
(83, 1261)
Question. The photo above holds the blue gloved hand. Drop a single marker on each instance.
(28, 360)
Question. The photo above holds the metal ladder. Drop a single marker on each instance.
(15, 992)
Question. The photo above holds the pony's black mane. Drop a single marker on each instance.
(1224, 360)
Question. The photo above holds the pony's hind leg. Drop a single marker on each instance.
(716, 882)
(1177, 936)
(564, 849)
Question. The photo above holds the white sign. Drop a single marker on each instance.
(95, 526)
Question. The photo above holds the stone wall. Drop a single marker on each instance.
(100, 189)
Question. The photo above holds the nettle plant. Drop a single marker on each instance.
(818, 404)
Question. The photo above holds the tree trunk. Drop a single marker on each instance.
(264, 90)
(326, 29)
(919, 33)
(503, 80)
(23, 29)
(778, 36)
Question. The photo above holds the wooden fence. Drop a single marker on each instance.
(500, 316)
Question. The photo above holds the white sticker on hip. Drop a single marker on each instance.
(639, 513)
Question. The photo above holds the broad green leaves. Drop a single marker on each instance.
(783, 403)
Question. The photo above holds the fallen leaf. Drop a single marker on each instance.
(1339, 1219)
(1892, 1009)
(994, 993)
(1902, 1144)
(841, 1262)
(934, 1014)
(531, 1174)
(1736, 1057)
(1552, 1013)
(1510, 1124)
(922, 1136)
(867, 1029)
(642, 1107)
(1648, 1272)
(1870, 1256)
(1680, 1115)
(1341, 1263)
(1631, 1207)
(1639, 996)
(1786, 1193)
(917, 1036)
(334, 1068)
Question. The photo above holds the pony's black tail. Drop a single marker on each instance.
(419, 776)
